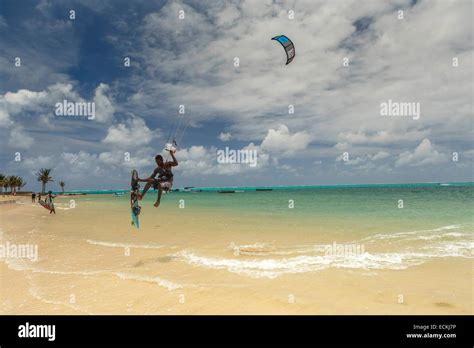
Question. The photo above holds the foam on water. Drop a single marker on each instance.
(156, 280)
(263, 249)
(123, 245)
(274, 267)
(425, 234)
(22, 265)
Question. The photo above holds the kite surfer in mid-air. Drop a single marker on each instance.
(164, 181)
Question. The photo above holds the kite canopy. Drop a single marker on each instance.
(288, 46)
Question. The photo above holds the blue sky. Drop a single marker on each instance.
(190, 62)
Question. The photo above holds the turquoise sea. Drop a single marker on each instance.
(367, 208)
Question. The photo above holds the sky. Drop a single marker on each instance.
(316, 121)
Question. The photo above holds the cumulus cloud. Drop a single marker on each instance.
(84, 169)
(351, 161)
(225, 136)
(381, 137)
(424, 154)
(19, 139)
(4, 118)
(38, 162)
(366, 162)
(104, 107)
(199, 160)
(16, 106)
(131, 133)
(281, 141)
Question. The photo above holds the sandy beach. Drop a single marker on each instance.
(193, 261)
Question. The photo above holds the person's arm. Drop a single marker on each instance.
(175, 162)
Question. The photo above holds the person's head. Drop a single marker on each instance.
(50, 192)
(159, 160)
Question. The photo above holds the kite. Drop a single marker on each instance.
(288, 46)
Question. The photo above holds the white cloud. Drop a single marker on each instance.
(351, 161)
(136, 159)
(132, 133)
(19, 139)
(199, 160)
(104, 107)
(38, 162)
(196, 160)
(281, 142)
(424, 154)
(25, 97)
(225, 136)
(381, 137)
(15, 105)
(82, 162)
(82, 165)
(4, 118)
(380, 155)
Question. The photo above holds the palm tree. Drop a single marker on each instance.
(10, 182)
(5, 183)
(62, 184)
(20, 183)
(43, 175)
(2, 179)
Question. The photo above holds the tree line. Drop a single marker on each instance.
(16, 183)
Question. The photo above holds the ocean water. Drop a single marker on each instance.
(363, 206)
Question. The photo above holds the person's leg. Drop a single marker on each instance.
(160, 191)
(149, 182)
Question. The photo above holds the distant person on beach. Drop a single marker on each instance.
(49, 200)
(164, 181)
(39, 196)
(33, 197)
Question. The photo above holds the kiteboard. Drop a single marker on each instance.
(134, 199)
(45, 205)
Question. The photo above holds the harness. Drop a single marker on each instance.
(165, 174)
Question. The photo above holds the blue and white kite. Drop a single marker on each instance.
(288, 46)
